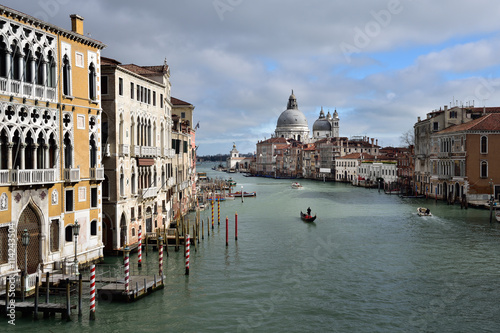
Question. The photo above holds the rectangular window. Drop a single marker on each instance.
(79, 59)
(161, 101)
(183, 115)
(131, 90)
(4, 245)
(138, 93)
(104, 85)
(154, 98)
(54, 236)
(93, 197)
(185, 147)
(69, 200)
(120, 86)
(435, 126)
(93, 228)
(82, 194)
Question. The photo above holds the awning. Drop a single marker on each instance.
(145, 161)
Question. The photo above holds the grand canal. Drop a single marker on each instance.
(368, 264)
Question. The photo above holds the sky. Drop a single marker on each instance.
(380, 64)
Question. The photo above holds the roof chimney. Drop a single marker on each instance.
(77, 24)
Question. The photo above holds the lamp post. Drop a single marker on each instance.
(25, 238)
(76, 231)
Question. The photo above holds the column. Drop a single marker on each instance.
(9, 157)
(21, 154)
(46, 154)
(35, 156)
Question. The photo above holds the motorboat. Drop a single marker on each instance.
(422, 211)
(297, 185)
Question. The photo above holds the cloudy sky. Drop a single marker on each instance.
(380, 64)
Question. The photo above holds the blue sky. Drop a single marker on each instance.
(237, 61)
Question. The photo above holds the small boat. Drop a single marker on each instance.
(422, 211)
(245, 194)
(307, 218)
(297, 185)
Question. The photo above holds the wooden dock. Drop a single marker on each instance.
(48, 309)
(139, 286)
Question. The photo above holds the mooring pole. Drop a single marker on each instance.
(139, 249)
(47, 285)
(80, 291)
(236, 226)
(187, 254)
(68, 296)
(92, 292)
(35, 312)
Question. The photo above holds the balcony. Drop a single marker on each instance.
(149, 192)
(27, 89)
(444, 177)
(72, 175)
(31, 177)
(148, 151)
(97, 173)
(124, 150)
(443, 155)
(136, 151)
(4, 177)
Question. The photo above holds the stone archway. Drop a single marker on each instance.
(445, 191)
(107, 233)
(30, 221)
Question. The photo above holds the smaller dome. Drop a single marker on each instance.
(322, 124)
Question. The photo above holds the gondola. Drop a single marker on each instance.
(307, 218)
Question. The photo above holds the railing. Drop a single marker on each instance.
(4, 177)
(443, 154)
(124, 150)
(27, 89)
(148, 151)
(444, 177)
(97, 173)
(31, 177)
(149, 192)
(137, 150)
(72, 175)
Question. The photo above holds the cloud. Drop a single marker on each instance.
(238, 66)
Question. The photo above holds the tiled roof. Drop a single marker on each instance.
(489, 122)
(355, 156)
(138, 69)
(176, 101)
(109, 61)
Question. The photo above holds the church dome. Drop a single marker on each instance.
(322, 123)
(292, 116)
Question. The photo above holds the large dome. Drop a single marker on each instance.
(292, 116)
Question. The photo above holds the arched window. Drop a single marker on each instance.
(484, 145)
(92, 82)
(68, 152)
(93, 228)
(134, 181)
(93, 152)
(122, 183)
(66, 76)
(68, 231)
(484, 169)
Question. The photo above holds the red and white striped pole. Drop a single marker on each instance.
(126, 253)
(92, 292)
(213, 203)
(139, 250)
(160, 257)
(187, 254)
(236, 226)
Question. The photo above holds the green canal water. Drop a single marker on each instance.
(368, 264)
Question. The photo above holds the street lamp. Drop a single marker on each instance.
(76, 231)
(25, 238)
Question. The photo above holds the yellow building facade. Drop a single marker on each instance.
(50, 145)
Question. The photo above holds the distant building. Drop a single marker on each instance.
(237, 163)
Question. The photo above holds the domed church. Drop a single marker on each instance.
(326, 127)
(292, 124)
